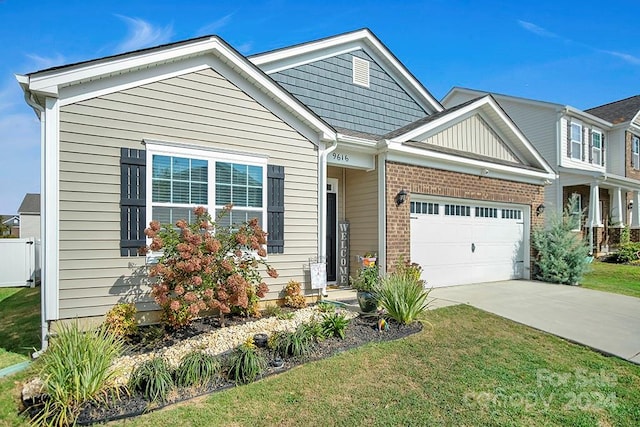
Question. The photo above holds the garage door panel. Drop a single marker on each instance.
(459, 249)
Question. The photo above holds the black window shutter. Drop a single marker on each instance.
(590, 133)
(602, 149)
(275, 209)
(568, 138)
(133, 164)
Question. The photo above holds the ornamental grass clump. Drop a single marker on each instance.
(402, 297)
(153, 379)
(76, 369)
(334, 325)
(246, 363)
(197, 369)
(207, 266)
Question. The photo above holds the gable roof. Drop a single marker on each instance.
(137, 67)
(30, 204)
(293, 56)
(561, 108)
(489, 107)
(617, 112)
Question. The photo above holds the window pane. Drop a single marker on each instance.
(199, 194)
(180, 193)
(255, 176)
(161, 167)
(199, 170)
(255, 197)
(223, 173)
(576, 132)
(239, 175)
(239, 195)
(161, 191)
(180, 168)
(223, 194)
(596, 140)
(167, 215)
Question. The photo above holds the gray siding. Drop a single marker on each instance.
(473, 135)
(327, 87)
(202, 109)
(361, 210)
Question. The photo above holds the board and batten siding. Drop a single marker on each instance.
(473, 135)
(361, 210)
(201, 109)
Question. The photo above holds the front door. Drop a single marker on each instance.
(332, 229)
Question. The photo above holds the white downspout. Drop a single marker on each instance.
(44, 326)
(322, 205)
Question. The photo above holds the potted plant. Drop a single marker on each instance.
(369, 259)
(364, 283)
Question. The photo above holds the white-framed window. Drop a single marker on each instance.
(426, 208)
(635, 152)
(596, 147)
(457, 210)
(182, 178)
(482, 212)
(576, 141)
(511, 214)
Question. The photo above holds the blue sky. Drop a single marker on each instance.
(570, 52)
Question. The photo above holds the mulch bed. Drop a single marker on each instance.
(361, 330)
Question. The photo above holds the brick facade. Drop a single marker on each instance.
(429, 181)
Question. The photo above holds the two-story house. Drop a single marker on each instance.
(592, 155)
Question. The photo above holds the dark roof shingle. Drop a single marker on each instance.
(616, 112)
(30, 204)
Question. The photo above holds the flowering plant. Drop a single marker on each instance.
(207, 266)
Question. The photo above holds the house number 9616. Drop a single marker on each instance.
(340, 157)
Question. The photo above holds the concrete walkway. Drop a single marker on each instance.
(604, 321)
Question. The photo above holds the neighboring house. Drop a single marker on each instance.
(592, 152)
(29, 212)
(10, 225)
(319, 134)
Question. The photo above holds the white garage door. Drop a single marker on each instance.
(459, 242)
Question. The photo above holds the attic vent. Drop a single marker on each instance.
(360, 72)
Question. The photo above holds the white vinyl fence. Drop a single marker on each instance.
(19, 262)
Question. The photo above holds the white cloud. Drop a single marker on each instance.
(624, 56)
(143, 34)
(535, 29)
(214, 26)
(43, 62)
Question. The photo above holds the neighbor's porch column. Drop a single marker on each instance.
(635, 210)
(595, 219)
(617, 210)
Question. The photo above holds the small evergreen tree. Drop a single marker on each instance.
(562, 253)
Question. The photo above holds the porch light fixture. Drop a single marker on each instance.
(540, 209)
(401, 197)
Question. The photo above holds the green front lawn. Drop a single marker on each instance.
(617, 278)
(19, 324)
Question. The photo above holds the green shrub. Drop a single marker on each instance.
(367, 278)
(197, 369)
(152, 379)
(121, 319)
(562, 253)
(402, 297)
(246, 363)
(76, 369)
(334, 325)
(285, 316)
(315, 329)
(628, 252)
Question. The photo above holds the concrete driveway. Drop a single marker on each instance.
(607, 322)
